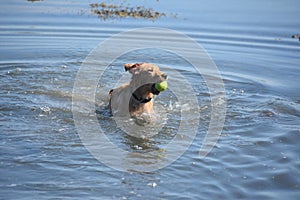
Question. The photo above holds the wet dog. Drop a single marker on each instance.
(135, 98)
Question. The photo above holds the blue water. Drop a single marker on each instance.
(42, 46)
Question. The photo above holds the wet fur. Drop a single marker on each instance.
(143, 75)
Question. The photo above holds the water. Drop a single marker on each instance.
(43, 44)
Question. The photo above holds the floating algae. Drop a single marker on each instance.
(111, 11)
(296, 36)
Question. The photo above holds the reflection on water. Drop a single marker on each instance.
(257, 157)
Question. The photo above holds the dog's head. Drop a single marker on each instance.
(145, 75)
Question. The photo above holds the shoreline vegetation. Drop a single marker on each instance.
(112, 11)
(107, 11)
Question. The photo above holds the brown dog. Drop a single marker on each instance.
(135, 98)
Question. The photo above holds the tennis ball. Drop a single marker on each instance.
(162, 86)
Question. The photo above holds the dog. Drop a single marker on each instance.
(135, 98)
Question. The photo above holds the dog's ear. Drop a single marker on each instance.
(132, 67)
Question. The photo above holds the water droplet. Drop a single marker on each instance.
(152, 184)
(45, 109)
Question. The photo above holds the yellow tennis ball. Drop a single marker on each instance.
(162, 86)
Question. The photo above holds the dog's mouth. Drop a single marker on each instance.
(156, 88)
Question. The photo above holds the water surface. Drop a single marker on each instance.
(43, 44)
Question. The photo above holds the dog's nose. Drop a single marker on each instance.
(164, 76)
